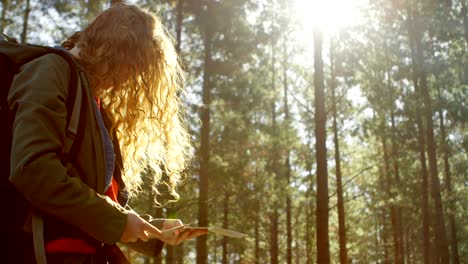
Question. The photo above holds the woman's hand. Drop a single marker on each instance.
(138, 228)
(179, 236)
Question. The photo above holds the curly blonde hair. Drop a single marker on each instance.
(133, 67)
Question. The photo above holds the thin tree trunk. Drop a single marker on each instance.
(376, 234)
(424, 189)
(399, 242)
(157, 213)
(170, 250)
(152, 210)
(180, 254)
(308, 204)
(339, 185)
(390, 195)
(175, 254)
(257, 218)
(202, 251)
(287, 162)
(383, 217)
(180, 13)
(396, 171)
(298, 230)
(257, 233)
(170, 254)
(273, 215)
(465, 21)
(24, 33)
(440, 232)
(323, 248)
(308, 234)
(225, 225)
(274, 237)
(421, 145)
(448, 186)
(407, 246)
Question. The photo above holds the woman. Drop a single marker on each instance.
(130, 98)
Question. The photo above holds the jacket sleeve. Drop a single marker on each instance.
(37, 100)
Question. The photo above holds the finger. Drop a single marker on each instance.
(171, 223)
(152, 229)
(128, 239)
(144, 236)
(201, 232)
(197, 233)
(192, 234)
(133, 239)
(183, 236)
(172, 229)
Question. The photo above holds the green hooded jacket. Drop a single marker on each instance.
(72, 193)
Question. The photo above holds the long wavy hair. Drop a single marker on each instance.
(133, 67)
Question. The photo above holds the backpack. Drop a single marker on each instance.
(14, 207)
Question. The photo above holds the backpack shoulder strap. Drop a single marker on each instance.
(73, 118)
(74, 101)
(38, 236)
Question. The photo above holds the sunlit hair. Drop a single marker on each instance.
(133, 67)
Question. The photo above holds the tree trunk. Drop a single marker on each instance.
(323, 251)
(396, 171)
(257, 218)
(308, 204)
(399, 243)
(448, 186)
(424, 189)
(170, 250)
(152, 210)
(383, 217)
(202, 251)
(174, 254)
(421, 145)
(397, 259)
(225, 225)
(339, 185)
(180, 13)
(274, 237)
(180, 254)
(440, 232)
(273, 215)
(408, 247)
(287, 162)
(257, 234)
(24, 33)
(156, 213)
(465, 21)
(298, 230)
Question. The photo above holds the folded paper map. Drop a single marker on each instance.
(216, 230)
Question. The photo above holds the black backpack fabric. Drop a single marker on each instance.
(13, 206)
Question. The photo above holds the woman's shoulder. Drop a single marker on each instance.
(48, 74)
(50, 64)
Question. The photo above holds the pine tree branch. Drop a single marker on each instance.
(353, 177)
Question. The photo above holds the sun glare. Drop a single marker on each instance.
(329, 16)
